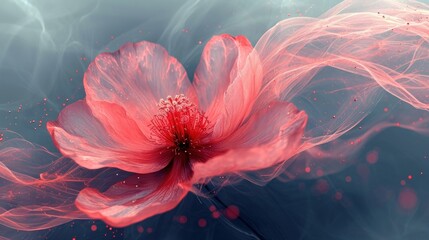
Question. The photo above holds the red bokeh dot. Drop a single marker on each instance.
(232, 212)
(216, 214)
(321, 186)
(140, 229)
(407, 199)
(338, 196)
(307, 169)
(348, 179)
(149, 230)
(183, 219)
(93, 227)
(212, 208)
(372, 157)
(202, 222)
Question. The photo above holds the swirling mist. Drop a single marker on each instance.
(356, 69)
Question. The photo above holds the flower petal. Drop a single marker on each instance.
(133, 200)
(227, 79)
(268, 137)
(136, 77)
(82, 137)
(240, 97)
(218, 67)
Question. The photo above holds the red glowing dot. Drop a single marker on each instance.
(372, 157)
(338, 196)
(183, 219)
(410, 177)
(202, 222)
(322, 186)
(307, 169)
(216, 214)
(140, 229)
(402, 182)
(386, 109)
(319, 172)
(149, 230)
(232, 212)
(212, 208)
(407, 199)
(93, 227)
(348, 179)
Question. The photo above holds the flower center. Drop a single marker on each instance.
(179, 125)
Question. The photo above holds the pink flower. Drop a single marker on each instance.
(141, 114)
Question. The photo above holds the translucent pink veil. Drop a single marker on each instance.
(341, 69)
(358, 57)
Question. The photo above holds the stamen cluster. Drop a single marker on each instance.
(179, 125)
